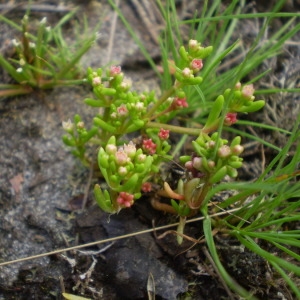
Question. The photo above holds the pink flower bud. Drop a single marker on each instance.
(122, 110)
(96, 81)
(237, 149)
(189, 165)
(211, 164)
(248, 91)
(179, 103)
(111, 149)
(238, 86)
(125, 199)
(114, 71)
(163, 134)
(211, 144)
(196, 65)
(224, 151)
(121, 157)
(197, 162)
(146, 187)
(130, 149)
(230, 119)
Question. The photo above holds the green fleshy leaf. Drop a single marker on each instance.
(89, 134)
(215, 111)
(95, 103)
(175, 205)
(103, 159)
(236, 141)
(183, 54)
(102, 124)
(108, 91)
(185, 158)
(103, 200)
(130, 185)
(137, 124)
(235, 164)
(204, 52)
(255, 106)
(219, 175)
(68, 141)
(231, 171)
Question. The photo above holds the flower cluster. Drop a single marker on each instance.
(242, 99)
(40, 60)
(179, 103)
(213, 158)
(77, 137)
(125, 111)
(191, 63)
(125, 169)
(149, 146)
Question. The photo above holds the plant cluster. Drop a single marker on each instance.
(130, 165)
(42, 60)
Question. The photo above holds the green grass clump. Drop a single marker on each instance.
(43, 59)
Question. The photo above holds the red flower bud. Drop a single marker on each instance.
(230, 119)
(163, 134)
(149, 146)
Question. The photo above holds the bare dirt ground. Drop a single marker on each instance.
(42, 186)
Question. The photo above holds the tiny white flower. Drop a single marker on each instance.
(126, 84)
(96, 80)
(113, 115)
(15, 43)
(122, 171)
(187, 72)
(193, 44)
(141, 158)
(22, 62)
(139, 106)
(68, 126)
(43, 21)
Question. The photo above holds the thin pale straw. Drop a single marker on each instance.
(111, 239)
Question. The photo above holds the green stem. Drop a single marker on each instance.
(180, 229)
(213, 126)
(162, 99)
(162, 113)
(15, 92)
(173, 128)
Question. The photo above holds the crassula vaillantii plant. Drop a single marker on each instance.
(130, 165)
